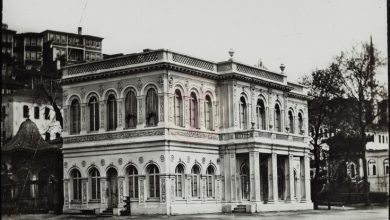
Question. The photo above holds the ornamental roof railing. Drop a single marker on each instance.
(166, 56)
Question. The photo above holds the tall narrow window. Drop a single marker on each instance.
(151, 108)
(36, 112)
(131, 110)
(133, 182)
(25, 111)
(154, 181)
(111, 112)
(178, 108)
(243, 113)
(195, 178)
(75, 176)
(210, 182)
(352, 168)
(47, 113)
(300, 123)
(179, 175)
(75, 117)
(93, 114)
(278, 121)
(291, 122)
(94, 178)
(208, 114)
(260, 115)
(193, 111)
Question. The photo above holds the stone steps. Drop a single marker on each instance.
(240, 209)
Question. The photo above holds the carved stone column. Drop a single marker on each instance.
(66, 193)
(161, 103)
(188, 187)
(273, 178)
(163, 188)
(233, 180)
(171, 111)
(215, 116)
(103, 191)
(218, 187)
(102, 114)
(141, 112)
(120, 113)
(173, 188)
(66, 121)
(254, 170)
(121, 183)
(201, 114)
(84, 191)
(186, 114)
(290, 185)
(306, 169)
(141, 190)
(83, 121)
(203, 190)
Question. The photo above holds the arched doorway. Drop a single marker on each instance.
(112, 188)
(244, 174)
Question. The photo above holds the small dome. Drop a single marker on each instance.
(28, 138)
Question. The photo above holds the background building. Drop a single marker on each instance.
(178, 134)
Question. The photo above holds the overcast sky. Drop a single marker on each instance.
(302, 34)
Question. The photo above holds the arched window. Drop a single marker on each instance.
(291, 121)
(300, 123)
(133, 182)
(208, 114)
(278, 120)
(151, 108)
(193, 110)
(371, 167)
(25, 111)
(260, 115)
(75, 125)
(244, 176)
(131, 110)
(179, 175)
(93, 106)
(210, 182)
(195, 179)
(386, 166)
(75, 177)
(243, 114)
(111, 112)
(154, 181)
(178, 108)
(94, 179)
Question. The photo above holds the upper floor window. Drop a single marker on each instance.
(111, 112)
(260, 115)
(151, 108)
(300, 123)
(243, 113)
(47, 113)
(154, 181)
(208, 113)
(291, 121)
(178, 103)
(210, 182)
(193, 111)
(179, 175)
(25, 111)
(131, 110)
(278, 120)
(75, 124)
(372, 167)
(93, 106)
(36, 112)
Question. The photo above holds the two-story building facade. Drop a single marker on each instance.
(178, 134)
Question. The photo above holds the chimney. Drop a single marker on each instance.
(80, 30)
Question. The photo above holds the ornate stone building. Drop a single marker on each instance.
(178, 134)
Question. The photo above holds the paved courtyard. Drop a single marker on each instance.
(375, 213)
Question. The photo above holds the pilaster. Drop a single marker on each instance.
(83, 118)
(290, 186)
(66, 193)
(120, 113)
(121, 183)
(141, 190)
(102, 114)
(141, 112)
(233, 180)
(84, 191)
(254, 170)
(273, 178)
